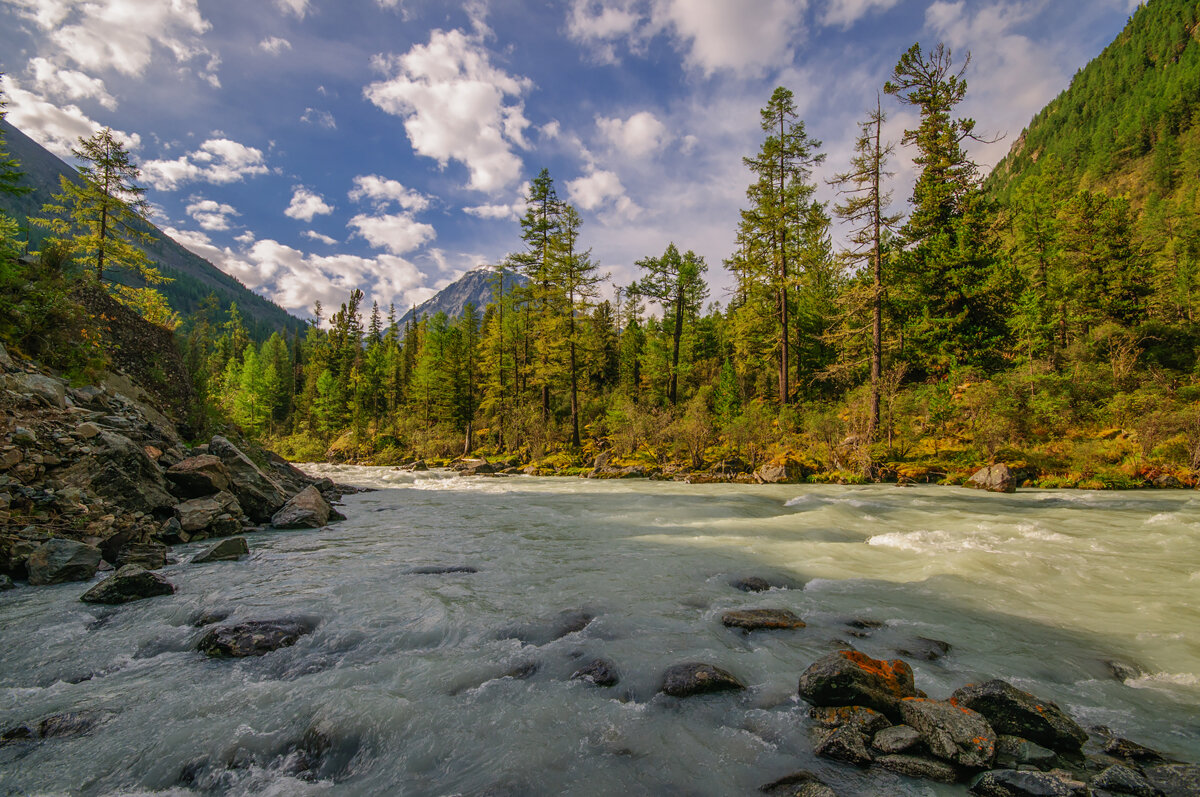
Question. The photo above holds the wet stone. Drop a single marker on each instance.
(1012, 783)
(565, 622)
(925, 648)
(761, 619)
(1132, 751)
(798, 784)
(1016, 713)
(867, 720)
(846, 744)
(896, 739)
(850, 678)
(914, 766)
(1012, 751)
(229, 549)
(951, 732)
(599, 672)
(1175, 780)
(1123, 780)
(129, 583)
(697, 678)
(751, 584)
(254, 638)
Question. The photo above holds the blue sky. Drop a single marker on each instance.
(309, 147)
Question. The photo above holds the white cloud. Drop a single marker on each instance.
(274, 45)
(210, 214)
(324, 119)
(494, 211)
(637, 136)
(297, 7)
(58, 128)
(218, 160)
(601, 188)
(316, 236)
(306, 204)
(398, 233)
(453, 102)
(121, 34)
(551, 129)
(712, 35)
(845, 13)
(381, 192)
(68, 84)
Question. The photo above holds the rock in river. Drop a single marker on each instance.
(1013, 712)
(1011, 783)
(130, 583)
(756, 619)
(850, 678)
(696, 678)
(307, 509)
(58, 560)
(227, 550)
(253, 638)
(951, 732)
(994, 479)
(917, 766)
(600, 672)
(798, 784)
(259, 495)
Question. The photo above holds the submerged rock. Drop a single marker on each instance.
(600, 672)
(798, 784)
(1124, 780)
(129, 583)
(253, 638)
(751, 584)
(227, 550)
(1012, 751)
(1015, 713)
(916, 766)
(925, 648)
(440, 570)
(994, 479)
(951, 732)
(850, 678)
(58, 561)
(697, 678)
(565, 622)
(307, 509)
(1012, 783)
(757, 619)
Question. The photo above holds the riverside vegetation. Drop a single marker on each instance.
(1045, 317)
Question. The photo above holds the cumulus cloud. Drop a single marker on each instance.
(456, 106)
(324, 119)
(307, 204)
(68, 84)
(210, 214)
(637, 136)
(600, 189)
(121, 34)
(274, 45)
(316, 236)
(845, 13)
(298, 8)
(218, 160)
(382, 192)
(398, 233)
(712, 35)
(56, 127)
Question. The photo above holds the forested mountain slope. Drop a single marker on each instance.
(193, 277)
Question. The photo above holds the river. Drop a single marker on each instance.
(404, 672)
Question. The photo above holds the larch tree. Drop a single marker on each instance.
(779, 201)
(677, 283)
(579, 281)
(864, 207)
(540, 225)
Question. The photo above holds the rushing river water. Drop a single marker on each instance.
(404, 672)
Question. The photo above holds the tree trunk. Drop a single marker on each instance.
(674, 387)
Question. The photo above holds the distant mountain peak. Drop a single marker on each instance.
(475, 287)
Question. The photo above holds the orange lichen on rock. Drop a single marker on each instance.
(895, 673)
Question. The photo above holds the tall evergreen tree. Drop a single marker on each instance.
(677, 283)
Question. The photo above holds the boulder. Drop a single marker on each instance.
(896, 739)
(600, 672)
(1013, 752)
(198, 515)
(306, 509)
(260, 496)
(1123, 780)
(253, 638)
(87, 430)
(227, 550)
(196, 477)
(1013, 783)
(779, 473)
(751, 584)
(16, 548)
(756, 619)
(58, 560)
(850, 678)
(952, 733)
(925, 648)
(147, 555)
(846, 744)
(129, 583)
(917, 766)
(544, 631)
(867, 720)
(1119, 747)
(51, 391)
(798, 784)
(120, 471)
(1015, 713)
(994, 479)
(697, 678)
(1175, 780)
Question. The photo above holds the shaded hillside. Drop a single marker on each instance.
(194, 278)
(476, 286)
(1128, 121)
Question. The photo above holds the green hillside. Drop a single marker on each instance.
(193, 277)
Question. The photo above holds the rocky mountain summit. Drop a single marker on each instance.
(98, 477)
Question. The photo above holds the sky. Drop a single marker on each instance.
(310, 147)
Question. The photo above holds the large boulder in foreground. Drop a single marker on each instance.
(120, 470)
(1015, 713)
(307, 509)
(788, 472)
(994, 479)
(129, 583)
(951, 732)
(850, 678)
(697, 678)
(58, 561)
(259, 495)
(196, 477)
(253, 638)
